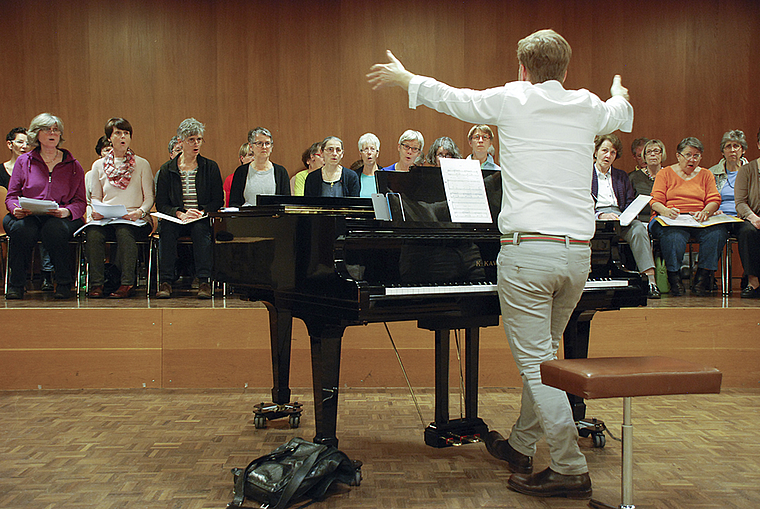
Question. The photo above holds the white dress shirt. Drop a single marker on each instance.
(546, 141)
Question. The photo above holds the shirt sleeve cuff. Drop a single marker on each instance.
(414, 87)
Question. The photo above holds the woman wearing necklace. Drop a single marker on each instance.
(687, 188)
(260, 176)
(46, 173)
(333, 179)
(642, 178)
(120, 177)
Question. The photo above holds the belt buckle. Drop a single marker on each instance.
(516, 239)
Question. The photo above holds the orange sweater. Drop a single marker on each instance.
(686, 195)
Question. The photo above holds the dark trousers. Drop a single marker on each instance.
(673, 241)
(749, 248)
(55, 234)
(203, 252)
(126, 237)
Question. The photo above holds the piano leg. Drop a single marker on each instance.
(280, 333)
(325, 368)
(442, 376)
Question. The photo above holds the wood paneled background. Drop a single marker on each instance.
(297, 67)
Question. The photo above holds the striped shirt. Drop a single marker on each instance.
(189, 195)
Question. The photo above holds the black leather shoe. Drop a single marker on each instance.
(14, 293)
(703, 283)
(551, 484)
(676, 285)
(654, 292)
(499, 448)
(747, 293)
(62, 291)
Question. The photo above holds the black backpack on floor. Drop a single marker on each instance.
(294, 470)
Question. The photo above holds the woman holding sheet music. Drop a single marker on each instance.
(687, 188)
(47, 172)
(121, 178)
(613, 193)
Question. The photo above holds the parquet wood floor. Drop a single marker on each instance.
(174, 449)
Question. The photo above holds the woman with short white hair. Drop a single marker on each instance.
(369, 149)
(410, 146)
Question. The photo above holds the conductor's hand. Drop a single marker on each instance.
(617, 88)
(393, 73)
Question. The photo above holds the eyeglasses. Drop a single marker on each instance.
(21, 143)
(194, 141)
(413, 150)
(691, 157)
(653, 152)
(445, 154)
(262, 144)
(51, 130)
(476, 137)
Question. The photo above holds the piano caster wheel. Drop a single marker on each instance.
(599, 441)
(260, 422)
(295, 421)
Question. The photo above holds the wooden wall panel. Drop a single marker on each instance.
(297, 67)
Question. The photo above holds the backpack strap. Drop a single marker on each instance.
(297, 479)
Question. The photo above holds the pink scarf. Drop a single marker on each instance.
(121, 176)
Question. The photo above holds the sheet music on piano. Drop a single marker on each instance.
(465, 191)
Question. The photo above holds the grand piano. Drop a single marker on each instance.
(332, 264)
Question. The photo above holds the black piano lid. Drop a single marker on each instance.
(423, 196)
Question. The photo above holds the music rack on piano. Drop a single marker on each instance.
(331, 263)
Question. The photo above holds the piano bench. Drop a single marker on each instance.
(627, 377)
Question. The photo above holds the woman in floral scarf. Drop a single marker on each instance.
(120, 178)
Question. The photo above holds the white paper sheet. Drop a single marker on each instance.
(37, 206)
(632, 211)
(465, 191)
(109, 211)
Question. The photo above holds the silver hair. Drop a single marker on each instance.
(734, 135)
(411, 134)
(445, 143)
(369, 139)
(40, 122)
(190, 127)
(690, 141)
(259, 130)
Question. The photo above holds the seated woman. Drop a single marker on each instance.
(369, 149)
(333, 179)
(481, 138)
(260, 176)
(747, 194)
(642, 178)
(410, 146)
(47, 172)
(612, 193)
(119, 178)
(733, 145)
(442, 147)
(245, 156)
(685, 187)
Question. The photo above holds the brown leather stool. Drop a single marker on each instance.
(627, 377)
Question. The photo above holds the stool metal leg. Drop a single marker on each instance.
(627, 468)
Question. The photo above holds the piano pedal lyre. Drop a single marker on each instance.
(456, 432)
(264, 412)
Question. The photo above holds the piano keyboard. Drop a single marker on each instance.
(591, 284)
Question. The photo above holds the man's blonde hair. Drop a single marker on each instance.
(545, 55)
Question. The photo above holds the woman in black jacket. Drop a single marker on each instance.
(260, 176)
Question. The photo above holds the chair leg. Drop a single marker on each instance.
(627, 468)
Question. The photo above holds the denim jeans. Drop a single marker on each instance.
(673, 241)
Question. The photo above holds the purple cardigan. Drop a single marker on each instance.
(621, 185)
(32, 179)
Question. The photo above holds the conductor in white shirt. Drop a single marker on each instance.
(546, 138)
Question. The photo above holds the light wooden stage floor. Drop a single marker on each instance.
(174, 449)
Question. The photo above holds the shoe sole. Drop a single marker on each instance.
(571, 494)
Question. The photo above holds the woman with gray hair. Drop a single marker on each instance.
(733, 145)
(47, 172)
(260, 176)
(188, 188)
(410, 146)
(369, 149)
(443, 147)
